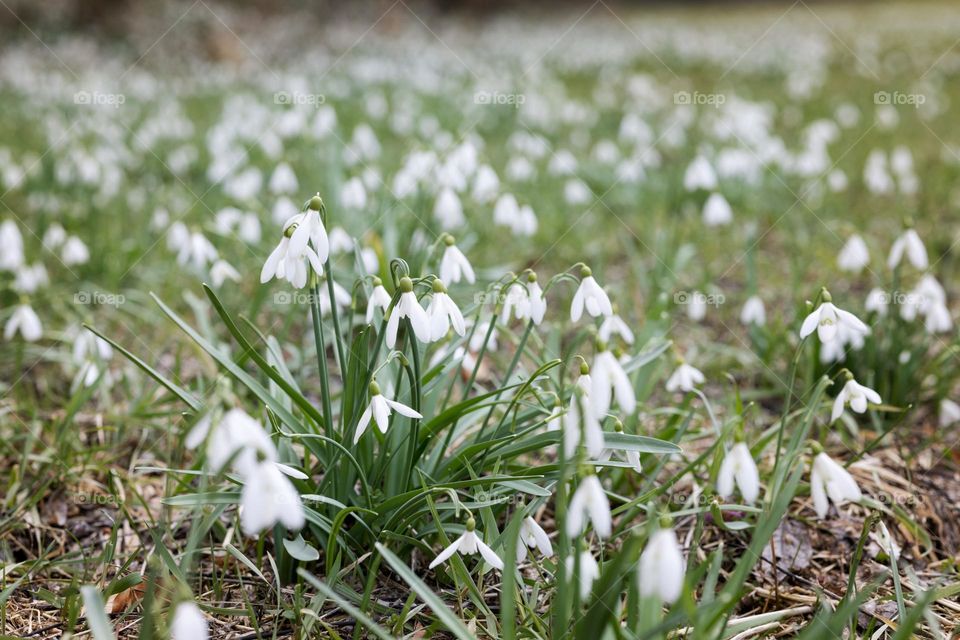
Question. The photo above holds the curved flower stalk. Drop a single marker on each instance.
(589, 296)
(854, 394)
(408, 307)
(827, 319)
(379, 410)
(589, 504)
(830, 480)
(738, 468)
(661, 567)
(467, 544)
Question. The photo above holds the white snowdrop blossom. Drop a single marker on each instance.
(753, 312)
(408, 307)
(856, 395)
(700, 175)
(590, 296)
(610, 381)
(379, 298)
(614, 324)
(589, 504)
(738, 468)
(353, 195)
(221, 271)
(468, 544)
(827, 319)
(454, 266)
(11, 246)
(717, 211)
(533, 536)
(909, 244)
(448, 210)
(237, 435)
(443, 313)
(283, 180)
(589, 572)
(949, 413)
(287, 264)
(830, 480)
(580, 423)
(661, 567)
(684, 378)
(75, 252)
(854, 255)
(269, 497)
(379, 410)
(188, 623)
(310, 229)
(877, 302)
(23, 320)
(696, 306)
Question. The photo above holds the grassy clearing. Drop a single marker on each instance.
(625, 425)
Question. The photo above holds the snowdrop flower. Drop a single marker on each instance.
(221, 271)
(486, 184)
(31, 278)
(448, 210)
(408, 307)
(738, 468)
(589, 503)
(89, 350)
(506, 210)
(379, 297)
(525, 224)
(591, 296)
(25, 321)
(909, 244)
(236, 433)
(753, 312)
(188, 623)
(717, 211)
(580, 423)
(468, 544)
(75, 251)
(609, 380)
(938, 318)
(353, 195)
(614, 324)
(576, 192)
(310, 228)
(11, 246)
(856, 395)
(454, 266)
(380, 409)
(854, 255)
(527, 302)
(532, 535)
(284, 263)
(443, 312)
(661, 568)
(283, 180)
(589, 571)
(949, 413)
(696, 306)
(836, 350)
(283, 209)
(54, 236)
(830, 480)
(684, 378)
(340, 241)
(827, 320)
(249, 228)
(877, 301)
(699, 175)
(269, 497)
(341, 297)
